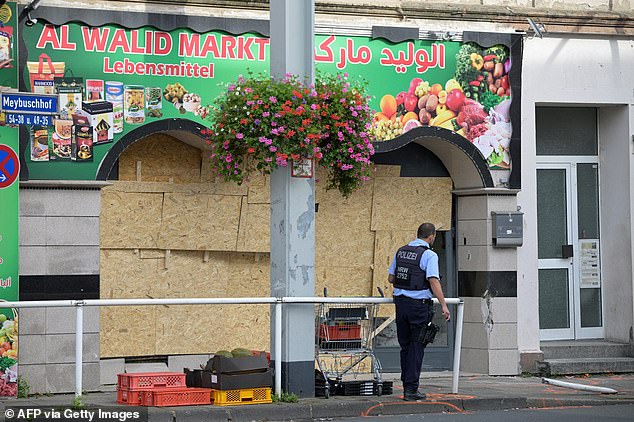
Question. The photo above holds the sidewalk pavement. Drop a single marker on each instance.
(476, 392)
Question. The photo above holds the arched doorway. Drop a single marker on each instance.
(429, 152)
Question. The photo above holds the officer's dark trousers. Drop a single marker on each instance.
(411, 316)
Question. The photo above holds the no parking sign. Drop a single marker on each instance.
(9, 166)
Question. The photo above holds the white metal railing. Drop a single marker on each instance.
(277, 301)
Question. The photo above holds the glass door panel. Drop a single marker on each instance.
(589, 262)
(552, 211)
(554, 291)
(556, 301)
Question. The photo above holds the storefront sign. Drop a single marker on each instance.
(147, 74)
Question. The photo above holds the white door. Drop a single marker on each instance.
(568, 249)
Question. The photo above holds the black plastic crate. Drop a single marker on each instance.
(347, 314)
(355, 388)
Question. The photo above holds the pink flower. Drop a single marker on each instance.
(272, 148)
(239, 136)
(228, 158)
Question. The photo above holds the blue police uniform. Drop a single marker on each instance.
(413, 312)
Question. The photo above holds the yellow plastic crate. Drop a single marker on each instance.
(240, 397)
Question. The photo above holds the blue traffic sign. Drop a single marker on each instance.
(28, 103)
(9, 166)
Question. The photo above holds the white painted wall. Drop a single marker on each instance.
(571, 71)
(616, 221)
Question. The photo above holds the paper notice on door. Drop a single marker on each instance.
(590, 264)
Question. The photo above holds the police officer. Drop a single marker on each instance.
(414, 274)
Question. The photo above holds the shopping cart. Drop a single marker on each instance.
(346, 364)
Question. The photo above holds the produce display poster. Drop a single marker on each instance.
(9, 212)
(112, 80)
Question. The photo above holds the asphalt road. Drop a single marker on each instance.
(615, 413)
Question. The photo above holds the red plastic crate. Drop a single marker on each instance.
(340, 332)
(144, 380)
(166, 397)
(131, 397)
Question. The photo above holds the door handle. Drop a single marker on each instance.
(566, 251)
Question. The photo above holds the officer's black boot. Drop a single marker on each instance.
(414, 396)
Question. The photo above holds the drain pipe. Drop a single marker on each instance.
(583, 387)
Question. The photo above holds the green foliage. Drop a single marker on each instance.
(261, 123)
(78, 402)
(23, 388)
(285, 398)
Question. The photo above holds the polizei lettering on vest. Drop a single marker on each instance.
(407, 255)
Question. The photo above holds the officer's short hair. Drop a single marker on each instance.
(425, 230)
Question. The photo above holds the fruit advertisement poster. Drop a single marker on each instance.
(9, 212)
(112, 80)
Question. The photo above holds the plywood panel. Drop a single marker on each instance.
(201, 329)
(404, 203)
(188, 275)
(343, 237)
(128, 331)
(344, 281)
(130, 220)
(163, 158)
(249, 275)
(383, 170)
(208, 328)
(125, 275)
(220, 188)
(259, 190)
(255, 227)
(151, 254)
(200, 222)
(386, 245)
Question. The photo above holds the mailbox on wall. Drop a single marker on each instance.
(507, 229)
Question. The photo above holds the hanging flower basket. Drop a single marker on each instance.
(261, 123)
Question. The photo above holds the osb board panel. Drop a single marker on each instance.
(216, 327)
(130, 220)
(404, 203)
(383, 170)
(386, 245)
(344, 281)
(124, 275)
(201, 329)
(151, 253)
(200, 222)
(250, 275)
(162, 158)
(128, 331)
(219, 188)
(259, 190)
(254, 232)
(188, 275)
(343, 237)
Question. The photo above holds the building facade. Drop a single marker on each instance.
(119, 232)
